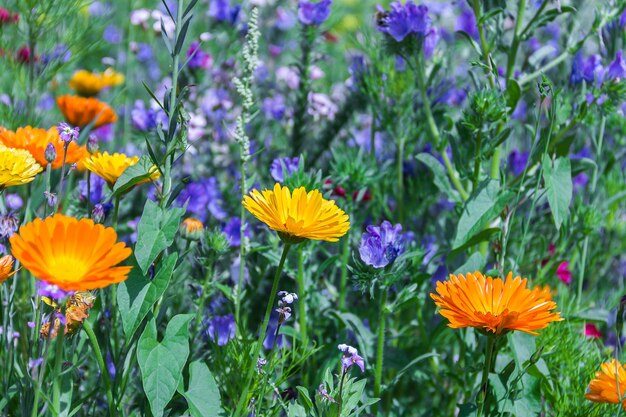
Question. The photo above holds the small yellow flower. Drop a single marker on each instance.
(6, 268)
(89, 84)
(494, 306)
(17, 167)
(111, 166)
(192, 228)
(604, 388)
(75, 255)
(298, 216)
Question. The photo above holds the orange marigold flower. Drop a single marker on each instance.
(192, 228)
(35, 141)
(298, 216)
(88, 83)
(80, 111)
(494, 306)
(112, 166)
(6, 268)
(76, 312)
(603, 389)
(75, 255)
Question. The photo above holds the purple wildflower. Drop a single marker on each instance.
(45, 289)
(466, 22)
(313, 13)
(198, 59)
(617, 68)
(14, 201)
(351, 357)
(232, 230)
(112, 34)
(9, 224)
(284, 167)
(67, 132)
(285, 20)
(221, 329)
(517, 161)
(381, 245)
(404, 20)
(203, 197)
(274, 107)
(222, 11)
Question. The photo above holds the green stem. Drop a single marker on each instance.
(477, 161)
(476, 6)
(242, 245)
(104, 371)
(380, 346)
(510, 65)
(208, 279)
(116, 210)
(58, 365)
(340, 396)
(243, 399)
(400, 179)
(60, 193)
(484, 384)
(302, 294)
(343, 284)
(434, 131)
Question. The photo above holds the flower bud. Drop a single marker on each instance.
(192, 229)
(50, 153)
(92, 144)
(98, 214)
(51, 198)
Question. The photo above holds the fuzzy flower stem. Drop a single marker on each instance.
(243, 400)
(343, 285)
(48, 187)
(104, 371)
(60, 197)
(340, 396)
(380, 345)
(58, 365)
(484, 384)
(434, 131)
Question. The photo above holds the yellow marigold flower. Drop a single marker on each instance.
(80, 111)
(75, 255)
(493, 305)
(35, 141)
(17, 167)
(603, 389)
(298, 216)
(111, 166)
(89, 84)
(76, 312)
(192, 228)
(6, 268)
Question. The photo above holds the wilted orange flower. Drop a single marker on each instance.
(75, 255)
(76, 312)
(111, 166)
(35, 141)
(192, 228)
(298, 216)
(493, 305)
(88, 83)
(80, 111)
(603, 389)
(6, 268)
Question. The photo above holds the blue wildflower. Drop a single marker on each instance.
(404, 20)
(313, 14)
(380, 246)
(283, 167)
(203, 197)
(232, 230)
(220, 329)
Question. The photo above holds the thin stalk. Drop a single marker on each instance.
(243, 400)
(302, 294)
(116, 210)
(242, 245)
(41, 373)
(60, 193)
(484, 385)
(48, 188)
(58, 365)
(373, 136)
(510, 65)
(343, 284)
(104, 371)
(434, 131)
(208, 278)
(340, 396)
(477, 161)
(380, 345)
(400, 179)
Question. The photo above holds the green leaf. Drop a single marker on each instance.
(513, 93)
(476, 262)
(440, 177)
(134, 175)
(155, 232)
(203, 396)
(137, 295)
(303, 396)
(296, 410)
(162, 363)
(484, 205)
(523, 346)
(558, 183)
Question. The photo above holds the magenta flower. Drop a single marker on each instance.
(564, 273)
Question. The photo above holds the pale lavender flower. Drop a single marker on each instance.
(274, 107)
(321, 106)
(67, 132)
(51, 198)
(14, 201)
(351, 357)
(9, 224)
(45, 289)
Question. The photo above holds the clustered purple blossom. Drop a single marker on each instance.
(145, 119)
(221, 329)
(404, 20)
(203, 197)
(313, 14)
(223, 11)
(45, 289)
(517, 161)
(381, 245)
(274, 107)
(282, 168)
(590, 69)
(351, 357)
(232, 230)
(198, 59)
